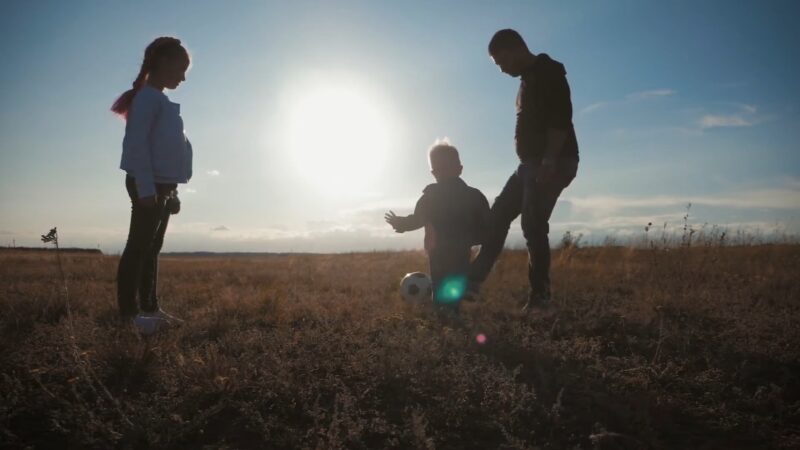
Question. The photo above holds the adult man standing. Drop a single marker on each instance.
(548, 152)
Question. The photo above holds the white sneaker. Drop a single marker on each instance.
(149, 325)
(163, 315)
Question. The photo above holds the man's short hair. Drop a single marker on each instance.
(506, 39)
(443, 151)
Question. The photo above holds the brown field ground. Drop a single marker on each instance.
(648, 348)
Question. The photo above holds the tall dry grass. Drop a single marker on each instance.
(650, 347)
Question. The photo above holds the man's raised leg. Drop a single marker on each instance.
(505, 209)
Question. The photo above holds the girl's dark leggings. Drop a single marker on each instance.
(138, 266)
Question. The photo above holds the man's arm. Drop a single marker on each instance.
(483, 220)
(559, 122)
(558, 117)
(553, 144)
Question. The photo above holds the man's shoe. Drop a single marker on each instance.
(449, 314)
(537, 303)
(473, 293)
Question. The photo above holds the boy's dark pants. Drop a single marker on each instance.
(138, 266)
(535, 202)
(449, 266)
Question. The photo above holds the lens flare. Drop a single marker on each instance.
(451, 289)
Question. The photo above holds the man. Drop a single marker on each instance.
(548, 152)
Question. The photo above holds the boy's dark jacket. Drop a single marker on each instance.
(455, 216)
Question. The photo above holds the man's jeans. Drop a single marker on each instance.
(138, 266)
(535, 202)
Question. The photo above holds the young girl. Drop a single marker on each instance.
(156, 156)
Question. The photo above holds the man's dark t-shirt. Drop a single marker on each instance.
(543, 102)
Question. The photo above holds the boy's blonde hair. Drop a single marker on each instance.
(442, 152)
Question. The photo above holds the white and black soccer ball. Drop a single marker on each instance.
(416, 287)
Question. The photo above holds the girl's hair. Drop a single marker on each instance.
(163, 47)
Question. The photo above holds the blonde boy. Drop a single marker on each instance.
(455, 217)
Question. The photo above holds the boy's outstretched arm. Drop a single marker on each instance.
(412, 222)
(402, 224)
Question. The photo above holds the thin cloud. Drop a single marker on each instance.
(651, 94)
(793, 183)
(220, 228)
(715, 121)
(616, 222)
(749, 109)
(745, 117)
(787, 198)
(338, 239)
(594, 107)
(213, 173)
(378, 207)
(633, 97)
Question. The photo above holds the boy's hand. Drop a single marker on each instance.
(394, 220)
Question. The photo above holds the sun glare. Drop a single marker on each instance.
(338, 138)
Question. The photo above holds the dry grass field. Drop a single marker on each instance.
(647, 348)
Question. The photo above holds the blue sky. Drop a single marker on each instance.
(675, 102)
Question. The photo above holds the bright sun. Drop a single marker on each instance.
(338, 138)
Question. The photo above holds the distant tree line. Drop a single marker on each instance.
(44, 249)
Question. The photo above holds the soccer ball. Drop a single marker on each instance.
(416, 287)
